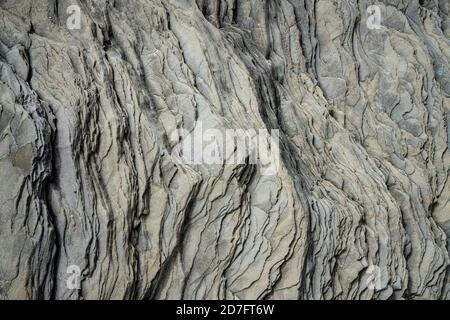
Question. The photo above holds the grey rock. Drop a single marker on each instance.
(96, 202)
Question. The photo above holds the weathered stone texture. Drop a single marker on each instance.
(88, 175)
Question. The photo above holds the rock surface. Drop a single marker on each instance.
(359, 207)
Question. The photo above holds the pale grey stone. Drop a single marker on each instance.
(89, 177)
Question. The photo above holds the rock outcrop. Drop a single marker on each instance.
(96, 201)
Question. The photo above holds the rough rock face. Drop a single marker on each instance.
(95, 204)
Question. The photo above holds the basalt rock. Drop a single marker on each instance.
(95, 202)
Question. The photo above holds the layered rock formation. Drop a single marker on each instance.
(91, 182)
